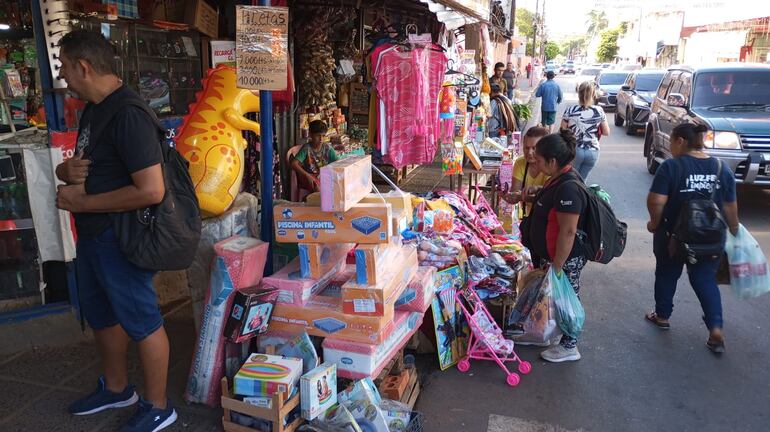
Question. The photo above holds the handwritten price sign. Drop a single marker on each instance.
(261, 47)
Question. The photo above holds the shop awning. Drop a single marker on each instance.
(457, 13)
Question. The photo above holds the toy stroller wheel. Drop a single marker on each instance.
(525, 367)
(513, 380)
(464, 366)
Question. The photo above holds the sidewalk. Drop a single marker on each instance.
(39, 384)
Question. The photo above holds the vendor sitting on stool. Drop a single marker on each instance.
(312, 156)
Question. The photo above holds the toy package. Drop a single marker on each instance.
(338, 418)
(363, 223)
(316, 260)
(373, 261)
(323, 316)
(379, 299)
(250, 313)
(295, 290)
(345, 182)
(207, 368)
(297, 345)
(357, 360)
(318, 390)
(267, 375)
(245, 258)
(419, 293)
(363, 400)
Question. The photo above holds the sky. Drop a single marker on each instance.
(567, 17)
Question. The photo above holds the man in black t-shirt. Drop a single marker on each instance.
(117, 171)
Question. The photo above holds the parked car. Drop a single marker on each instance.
(568, 68)
(631, 67)
(608, 85)
(635, 97)
(590, 72)
(732, 100)
(550, 66)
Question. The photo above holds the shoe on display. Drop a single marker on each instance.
(477, 265)
(506, 272)
(496, 260)
(150, 419)
(102, 399)
(558, 354)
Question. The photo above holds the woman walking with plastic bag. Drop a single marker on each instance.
(691, 175)
(554, 221)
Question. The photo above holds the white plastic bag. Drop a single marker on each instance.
(749, 276)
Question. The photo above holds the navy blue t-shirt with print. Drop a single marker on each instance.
(689, 178)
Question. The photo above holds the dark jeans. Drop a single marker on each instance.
(703, 278)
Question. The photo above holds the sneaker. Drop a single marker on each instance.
(495, 260)
(103, 399)
(149, 418)
(506, 272)
(558, 354)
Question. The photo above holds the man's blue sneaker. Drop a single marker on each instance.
(150, 419)
(103, 399)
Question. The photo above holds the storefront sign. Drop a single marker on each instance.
(222, 53)
(261, 48)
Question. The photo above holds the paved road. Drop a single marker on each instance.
(632, 377)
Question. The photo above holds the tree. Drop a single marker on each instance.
(551, 50)
(526, 23)
(573, 47)
(597, 21)
(608, 45)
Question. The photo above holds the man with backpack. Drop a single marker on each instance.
(502, 120)
(118, 168)
(692, 202)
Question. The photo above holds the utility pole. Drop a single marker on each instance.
(512, 27)
(537, 28)
(542, 46)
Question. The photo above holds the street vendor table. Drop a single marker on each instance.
(479, 178)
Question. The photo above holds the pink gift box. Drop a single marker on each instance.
(293, 289)
(245, 259)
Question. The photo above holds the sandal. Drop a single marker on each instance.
(717, 346)
(653, 318)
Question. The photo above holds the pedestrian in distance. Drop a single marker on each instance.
(118, 170)
(691, 174)
(588, 123)
(551, 95)
(510, 76)
(529, 69)
(555, 218)
(498, 78)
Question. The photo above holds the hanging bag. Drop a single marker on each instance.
(570, 314)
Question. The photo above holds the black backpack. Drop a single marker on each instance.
(603, 236)
(164, 236)
(700, 230)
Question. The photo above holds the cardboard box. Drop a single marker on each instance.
(316, 260)
(266, 375)
(400, 201)
(245, 258)
(356, 360)
(419, 292)
(323, 316)
(345, 182)
(374, 260)
(292, 288)
(364, 223)
(379, 299)
(197, 13)
(318, 390)
(250, 313)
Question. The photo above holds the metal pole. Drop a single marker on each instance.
(266, 157)
(537, 28)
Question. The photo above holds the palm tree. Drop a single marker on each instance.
(596, 22)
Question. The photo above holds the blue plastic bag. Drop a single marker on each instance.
(570, 314)
(749, 275)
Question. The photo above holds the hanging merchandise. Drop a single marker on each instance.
(317, 86)
(486, 46)
(408, 82)
(447, 101)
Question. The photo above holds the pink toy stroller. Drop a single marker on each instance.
(486, 341)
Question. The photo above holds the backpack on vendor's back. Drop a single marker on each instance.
(164, 236)
(603, 236)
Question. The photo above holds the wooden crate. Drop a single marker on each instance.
(281, 408)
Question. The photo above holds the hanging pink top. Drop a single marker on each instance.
(408, 83)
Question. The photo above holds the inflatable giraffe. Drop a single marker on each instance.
(211, 140)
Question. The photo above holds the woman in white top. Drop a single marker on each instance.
(588, 122)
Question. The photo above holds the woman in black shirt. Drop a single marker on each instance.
(555, 219)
